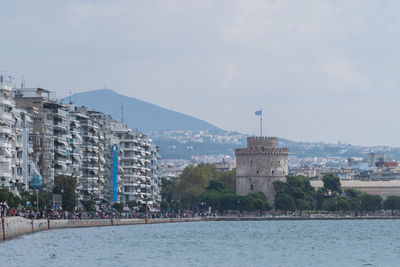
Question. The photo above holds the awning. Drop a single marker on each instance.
(61, 141)
(8, 152)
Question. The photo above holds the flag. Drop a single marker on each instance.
(258, 112)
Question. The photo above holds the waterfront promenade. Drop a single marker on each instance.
(12, 227)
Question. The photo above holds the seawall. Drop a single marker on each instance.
(12, 227)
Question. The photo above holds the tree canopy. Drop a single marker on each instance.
(66, 186)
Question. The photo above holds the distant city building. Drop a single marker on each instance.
(259, 165)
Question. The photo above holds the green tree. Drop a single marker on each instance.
(297, 188)
(355, 204)
(227, 201)
(118, 206)
(371, 202)
(32, 198)
(352, 193)
(167, 189)
(343, 204)
(66, 186)
(192, 183)
(165, 205)
(329, 204)
(215, 185)
(285, 202)
(89, 205)
(245, 203)
(392, 203)
(7, 196)
(302, 205)
(131, 204)
(228, 179)
(319, 198)
(211, 198)
(332, 183)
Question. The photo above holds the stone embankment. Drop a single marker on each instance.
(12, 227)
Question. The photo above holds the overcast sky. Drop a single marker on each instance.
(322, 70)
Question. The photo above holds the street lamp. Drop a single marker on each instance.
(202, 206)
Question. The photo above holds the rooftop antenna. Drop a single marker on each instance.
(122, 110)
(22, 82)
(70, 97)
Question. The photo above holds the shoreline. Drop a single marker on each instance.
(13, 227)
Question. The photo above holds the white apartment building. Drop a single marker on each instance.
(6, 134)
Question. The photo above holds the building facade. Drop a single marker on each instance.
(259, 165)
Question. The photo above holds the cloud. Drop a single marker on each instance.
(79, 13)
(294, 58)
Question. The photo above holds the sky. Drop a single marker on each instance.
(321, 70)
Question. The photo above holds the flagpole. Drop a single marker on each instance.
(261, 123)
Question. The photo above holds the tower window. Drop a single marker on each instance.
(273, 171)
(258, 171)
(251, 187)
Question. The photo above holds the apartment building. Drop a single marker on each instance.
(6, 133)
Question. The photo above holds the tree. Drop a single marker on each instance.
(131, 204)
(343, 204)
(164, 205)
(89, 205)
(118, 206)
(215, 185)
(227, 201)
(392, 203)
(191, 184)
(302, 205)
(32, 198)
(11, 199)
(352, 193)
(66, 186)
(228, 179)
(259, 205)
(299, 189)
(285, 202)
(354, 204)
(332, 183)
(329, 204)
(167, 189)
(371, 202)
(211, 198)
(319, 198)
(245, 203)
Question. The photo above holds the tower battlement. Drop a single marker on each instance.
(262, 141)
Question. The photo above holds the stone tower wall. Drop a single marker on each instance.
(259, 165)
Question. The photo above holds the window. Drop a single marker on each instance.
(273, 171)
(258, 171)
(251, 187)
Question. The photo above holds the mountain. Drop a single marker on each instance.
(138, 114)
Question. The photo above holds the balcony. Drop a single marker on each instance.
(5, 130)
(6, 116)
(4, 143)
(7, 102)
(3, 160)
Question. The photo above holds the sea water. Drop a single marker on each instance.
(245, 243)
